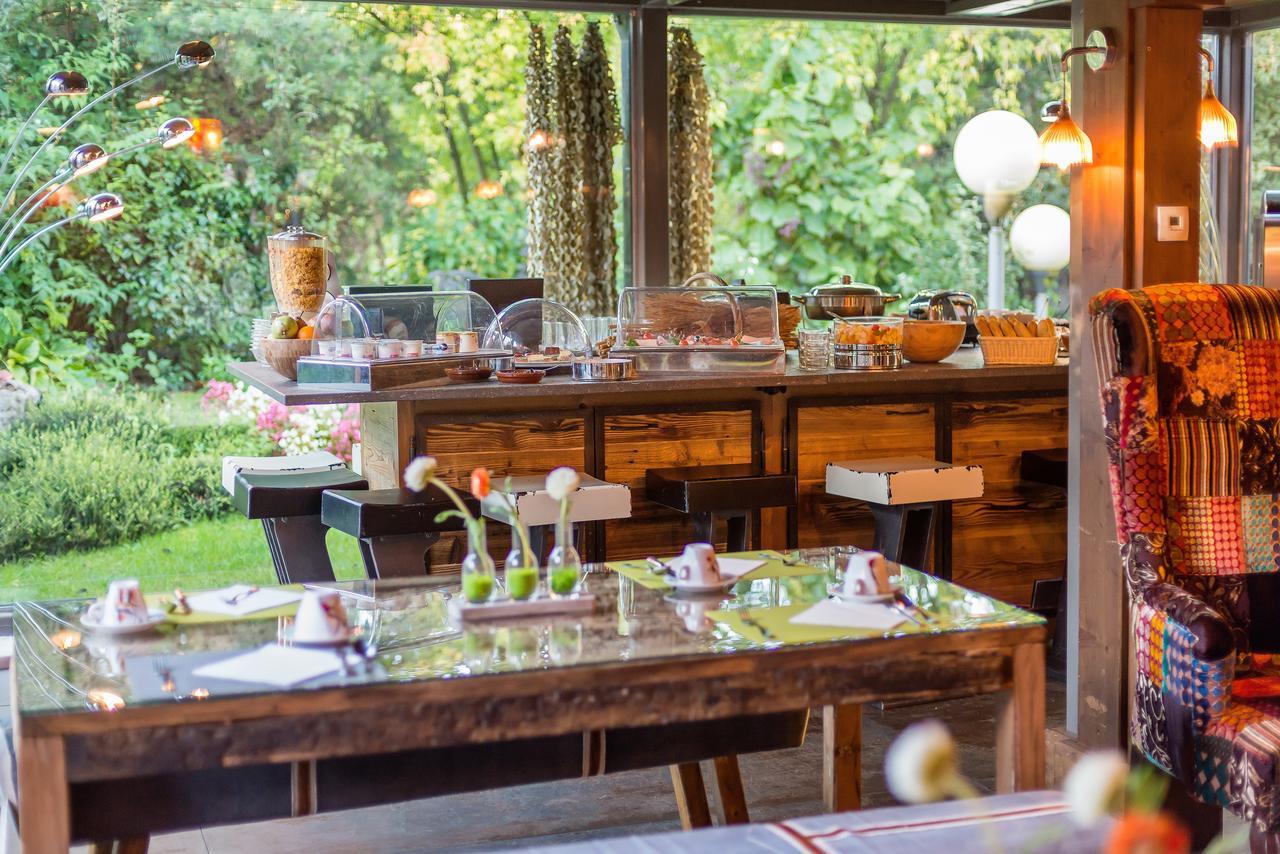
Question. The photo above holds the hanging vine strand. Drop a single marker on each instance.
(565, 271)
(691, 193)
(602, 130)
(537, 83)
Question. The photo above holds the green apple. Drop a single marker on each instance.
(284, 326)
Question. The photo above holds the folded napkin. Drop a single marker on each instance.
(281, 666)
(849, 615)
(736, 567)
(216, 601)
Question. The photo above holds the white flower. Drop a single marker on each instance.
(419, 472)
(920, 766)
(1094, 788)
(562, 482)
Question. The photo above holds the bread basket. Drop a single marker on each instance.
(1018, 351)
(282, 354)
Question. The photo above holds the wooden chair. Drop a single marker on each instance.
(501, 293)
(1190, 386)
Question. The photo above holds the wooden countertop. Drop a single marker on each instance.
(962, 373)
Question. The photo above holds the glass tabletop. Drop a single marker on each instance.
(408, 634)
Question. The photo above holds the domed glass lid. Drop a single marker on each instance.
(538, 332)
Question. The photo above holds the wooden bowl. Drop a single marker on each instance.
(931, 340)
(282, 354)
(521, 376)
(468, 374)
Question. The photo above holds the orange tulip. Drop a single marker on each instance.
(1144, 833)
(480, 482)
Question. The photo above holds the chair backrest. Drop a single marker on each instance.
(503, 292)
(1190, 379)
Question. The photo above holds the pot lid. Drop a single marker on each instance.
(846, 287)
(297, 232)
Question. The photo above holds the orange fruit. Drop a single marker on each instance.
(306, 332)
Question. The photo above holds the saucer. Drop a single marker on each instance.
(688, 589)
(91, 620)
(868, 598)
(324, 644)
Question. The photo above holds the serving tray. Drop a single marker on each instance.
(378, 374)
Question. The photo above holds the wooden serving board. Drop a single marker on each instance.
(379, 374)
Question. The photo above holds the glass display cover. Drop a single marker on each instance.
(538, 332)
(438, 321)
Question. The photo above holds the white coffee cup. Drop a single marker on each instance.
(697, 566)
(124, 605)
(866, 574)
(321, 618)
(694, 614)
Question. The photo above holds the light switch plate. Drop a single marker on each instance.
(1172, 223)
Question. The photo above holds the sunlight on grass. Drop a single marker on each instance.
(207, 554)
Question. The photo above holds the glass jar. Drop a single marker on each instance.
(815, 349)
(477, 567)
(564, 566)
(868, 343)
(299, 268)
(520, 571)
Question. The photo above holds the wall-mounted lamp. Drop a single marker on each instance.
(1217, 125)
(1064, 143)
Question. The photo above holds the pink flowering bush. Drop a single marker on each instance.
(292, 429)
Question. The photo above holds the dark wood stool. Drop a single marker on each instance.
(288, 503)
(594, 501)
(729, 492)
(903, 493)
(395, 527)
(1048, 467)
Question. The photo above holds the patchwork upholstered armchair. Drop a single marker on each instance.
(1191, 398)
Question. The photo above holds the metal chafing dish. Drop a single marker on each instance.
(604, 370)
(845, 298)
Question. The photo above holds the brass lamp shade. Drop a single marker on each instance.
(1064, 144)
(1217, 125)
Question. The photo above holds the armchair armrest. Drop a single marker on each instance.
(1185, 664)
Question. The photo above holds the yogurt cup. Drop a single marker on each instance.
(468, 342)
(389, 348)
(449, 340)
(363, 348)
(411, 348)
(327, 347)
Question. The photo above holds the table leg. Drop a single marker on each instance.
(691, 797)
(730, 798)
(134, 845)
(842, 757)
(44, 812)
(1020, 724)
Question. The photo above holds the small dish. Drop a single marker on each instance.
(872, 598)
(92, 620)
(330, 643)
(472, 374)
(521, 376)
(687, 589)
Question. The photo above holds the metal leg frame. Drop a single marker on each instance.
(297, 549)
(904, 533)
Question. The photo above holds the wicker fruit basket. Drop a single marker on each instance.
(282, 354)
(1018, 351)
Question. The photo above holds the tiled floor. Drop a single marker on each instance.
(778, 785)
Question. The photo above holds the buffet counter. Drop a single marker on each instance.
(798, 421)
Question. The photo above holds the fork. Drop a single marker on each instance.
(903, 599)
(237, 598)
(748, 620)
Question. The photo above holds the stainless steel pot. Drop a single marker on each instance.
(604, 370)
(845, 298)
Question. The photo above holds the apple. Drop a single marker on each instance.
(284, 326)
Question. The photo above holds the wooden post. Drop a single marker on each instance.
(44, 809)
(648, 130)
(1141, 115)
(842, 757)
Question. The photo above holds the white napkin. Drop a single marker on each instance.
(849, 615)
(215, 601)
(736, 567)
(281, 666)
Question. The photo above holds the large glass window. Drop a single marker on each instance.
(397, 131)
(832, 145)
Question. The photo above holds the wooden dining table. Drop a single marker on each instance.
(91, 710)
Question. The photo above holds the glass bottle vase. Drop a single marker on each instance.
(564, 566)
(477, 567)
(520, 569)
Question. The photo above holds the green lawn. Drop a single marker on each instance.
(207, 554)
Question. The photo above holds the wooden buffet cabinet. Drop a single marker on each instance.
(795, 422)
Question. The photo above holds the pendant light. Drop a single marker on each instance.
(1064, 143)
(1217, 125)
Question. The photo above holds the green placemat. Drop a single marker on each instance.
(154, 600)
(774, 566)
(773, 625)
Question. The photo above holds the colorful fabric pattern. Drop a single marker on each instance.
(1190, 386)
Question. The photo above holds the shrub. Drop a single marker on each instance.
(90, 468)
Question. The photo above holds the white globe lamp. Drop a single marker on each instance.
(997, 155)
(1040, 238)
